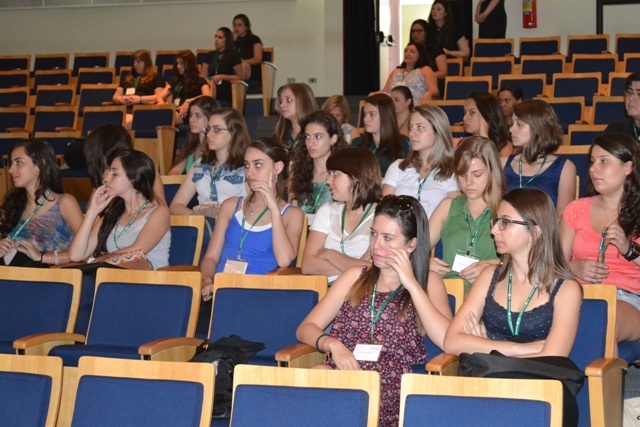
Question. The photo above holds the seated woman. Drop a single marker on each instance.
(198, 114)
(219, 174)
(387, 307)
(261, 232)
(416, 75)
(295, 102)
(533, 278)
(309, 187)
(249, 47)
(630, 126)
(143, 85)
(431, 53)
(403, 101)
(105, 142)
(442, 29)
(537, 133)
(37, 219)
(381, 134)
(427, 172)
(509, 96)
(122, 215)
(338, 107)
(186, 84)
(483, 117)
(463, 223)
(339, 235)
(223, 66)
(600, 233)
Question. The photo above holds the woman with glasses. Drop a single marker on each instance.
(529, 304)
(219, 174)
(463, 223)
(339, 235)
(631, 126)
(427, 173)
(384, 310)
(536, 134)
(600, 233)
(430, 52)
(198, 115)
(309, 184)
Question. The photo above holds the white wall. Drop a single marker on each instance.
(306, 34)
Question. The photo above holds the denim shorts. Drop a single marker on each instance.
(629, 297)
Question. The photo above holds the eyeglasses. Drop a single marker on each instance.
(214, 129)
(502, 223)
(631, 93)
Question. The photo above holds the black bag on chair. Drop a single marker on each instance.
(497, 365)
(225, 353)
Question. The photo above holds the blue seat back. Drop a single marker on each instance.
(493, 49)
(632, 64)
(145, 121)
(88, 62)
(94, 119)
(604, 66)
(9, 79)
(95, 97)
(259, 405)
(18, 97)
(462, 90)
(541, 47)
(121, 61)
(582, 169)
(589, 46)
(49, 98)
(531, 88)
(163, 59)
(182, 248)
(493, 69)
(48, 121)
(50, 63)
(454, 69)
(137, 402)
(94, 78)
(568, 113)
(13, 119)
(584, 86)
(6, 145)
(583, 137)
(33, 307)
(454, 112)
(432, 349)
(24, 398)
(128, 315)
(627, 45)
(608, 112)
(270, 316)
(61, 78)
(618, 85)
(14, 63)
(543, 66)
(167, 75)
(458, 411)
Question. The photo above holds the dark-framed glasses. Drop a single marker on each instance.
(630, 93)
(503, 222)
(214, 129)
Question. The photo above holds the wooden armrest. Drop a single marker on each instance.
(442, 363)
(178, 349)
(63, 104)
(108, 103)
(600, 367)
(16, 105)
(294, 351)
(182, 267)
(65, 129)
(41, 344)
(165, 127)
(13, 130)
(285, 271)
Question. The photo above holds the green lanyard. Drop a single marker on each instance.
(375, 315)
(177, 90)
(544, 160)
(30, 217)
(117, 236)
(516, 331)
(375, 149)
(364, 215)
(603, 245)
(315, 200)
(421, 183)
(474, 234)
(244, 233)
(213, 189)
(136, 82)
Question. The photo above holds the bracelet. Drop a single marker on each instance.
(633, 252)
(56, 260)
(318, 342)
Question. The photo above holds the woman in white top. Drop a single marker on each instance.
(339, 236)
(428, 171)
(132, 220)
(220, 173)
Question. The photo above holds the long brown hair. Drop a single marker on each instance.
(150, 72)
(390, 138)
(545, 131)
(240, 139)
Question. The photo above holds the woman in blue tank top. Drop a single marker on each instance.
(261, 232)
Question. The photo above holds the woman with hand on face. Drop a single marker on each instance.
(37, 219)
(483, 117)
(537, 134)
(186, 84)
(414, 74)
(198, 115)
(258, 233)
(387, 308)
(122, 215)
(427, 172)
(381, 134)
(219, 174)
(223, 66)
(463, 223)
(309, 186)
(248, 46)
(600, 233)
(403, 101)
(339, 235)
(295, 102)
(448, 36)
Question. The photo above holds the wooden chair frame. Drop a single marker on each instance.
(56, 88)
(515, 77)
(478, 42)
(24, 73)
(624, 36)
(465, 79)
(523, 40)
(69, 108)
(17, 57)
(51, 55)
(160, 149)
(196, 221)
(24, 90)
(77, 55)
(627, 58)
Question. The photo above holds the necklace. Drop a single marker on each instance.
(30, 217)
(117, 236)
(544, 160)
(404, 123)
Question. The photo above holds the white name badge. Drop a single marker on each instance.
(9, 256)
(176, 102)
(237, 266)
(367, 352)
(130, 91)
(462, 261)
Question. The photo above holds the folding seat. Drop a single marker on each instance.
(608, 109)
(603, 63)
(187, 234)
(14, 79)
(461, 87)
(89, 60)
(14, 62)
(14, 97)
(617, 84)
(154, 127)
(453, 109)
(96, 95)
(99, 116)
(171, 184)
(165, 57)
(586, 85)
(54, 119)
(122, 59)
(55, 61)
(50, 77)
(492, 47)
(587, 44)
(539, 45)
(584, 134)
(631, 62)
(493, 67)
(532, 85)
(14, 118)
(578, 154)
(94, 76)
(542, 64)
(55, 95)
(627, 43)
(455, 66)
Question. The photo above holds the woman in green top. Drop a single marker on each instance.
(463, 223)
(308, 187)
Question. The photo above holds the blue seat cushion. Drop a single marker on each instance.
(629, 351)
(70, 354)
(24, 398)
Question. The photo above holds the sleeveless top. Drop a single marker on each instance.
(158, 256)
(49, 232)
(547, 181)
(257, 248)
(414, 80)
(535, 324)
